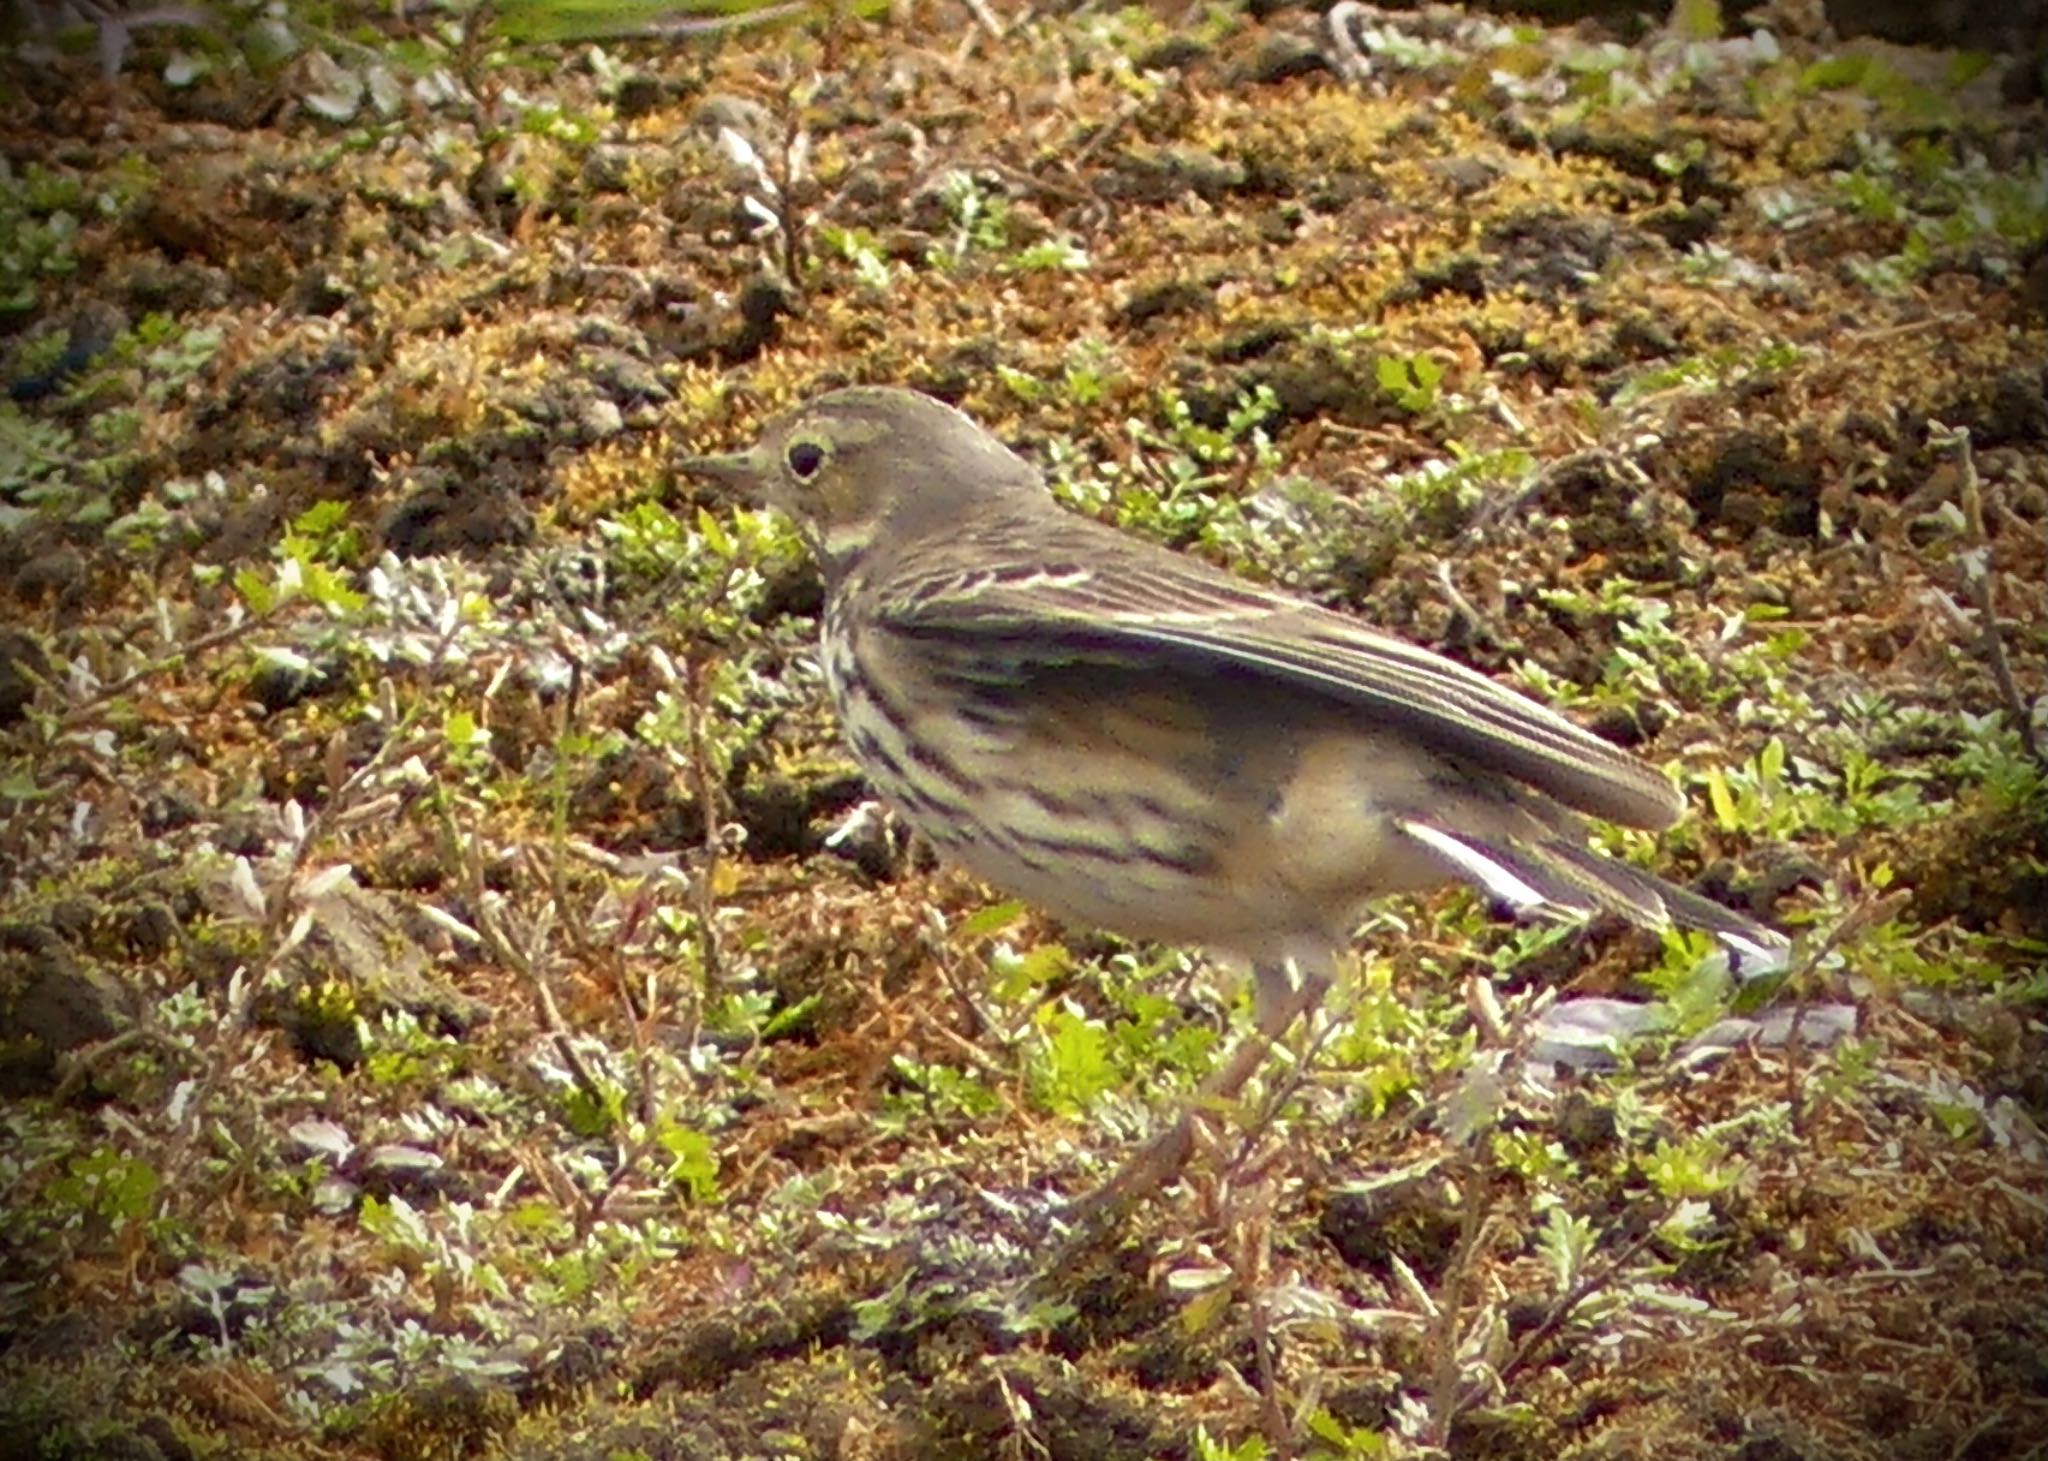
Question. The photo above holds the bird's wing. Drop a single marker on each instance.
(1164, 609)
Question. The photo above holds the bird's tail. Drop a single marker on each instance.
(1559, 877)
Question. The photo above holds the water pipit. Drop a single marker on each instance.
(1138, 741)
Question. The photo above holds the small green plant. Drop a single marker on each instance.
(1697, 1167)
(1071, 1065)
(1208, 1448)
(1333, 1440)
(39, 223)
(1713, 370)
(1411, 380)
(693, 1161)
(396, 1223)
(1058, 253)
(311, 558)
(707, 567)
(398, 1051)
(1391, 1045)
(115, 1189)
(1533, 1157)
(1169, 488)
(593, 1110)
(1995, 759)
(979, 218)
(173, 354)
(1691, 981)
(936, 1093)
(468, 742)
(1084, 380)
(858, 247)
(1443, 493)
(1567, 1243)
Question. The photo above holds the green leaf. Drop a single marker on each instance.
(695, 1164)
(17, 785)
(1723, 801)
(1835, 73)
(991, 920)
(256, 591)
(1074, 1068)
(713, 532)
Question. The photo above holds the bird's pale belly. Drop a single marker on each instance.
(1126, 813)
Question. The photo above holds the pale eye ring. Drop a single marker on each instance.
(804, 458)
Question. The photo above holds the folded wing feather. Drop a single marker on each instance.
(1174, 610)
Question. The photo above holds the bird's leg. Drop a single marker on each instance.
(1281, 993)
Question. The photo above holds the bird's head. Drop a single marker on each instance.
(872, 463)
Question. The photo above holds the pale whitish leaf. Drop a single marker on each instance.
(284, 658)
(180, 1102)
(333, 92)
(184, 68)
(327, 881)
(1654, 1296)
(323, 1138)
(451, 923)
(395, 1158)
(199, 1278)
(1474, 1105)
(1195, 1280)
(337, 1375)
(387, 94)
(1384, 1321)
(1815, 1025)
(301, 926)
(1298, 1305)
(740, 154)
(1566, 1241)
(1410, 1286)
(247, 893)
(437, 88)
(294, 820)
(1690, 1215)
(335, 1195)
(407, 1223)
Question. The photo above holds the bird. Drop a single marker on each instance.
(1141, 742)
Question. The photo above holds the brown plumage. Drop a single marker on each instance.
(1138, 741)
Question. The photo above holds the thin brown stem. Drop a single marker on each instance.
(1978, 576)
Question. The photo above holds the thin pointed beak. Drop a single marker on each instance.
(738, 473)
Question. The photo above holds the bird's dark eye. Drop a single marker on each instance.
(804, 458)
